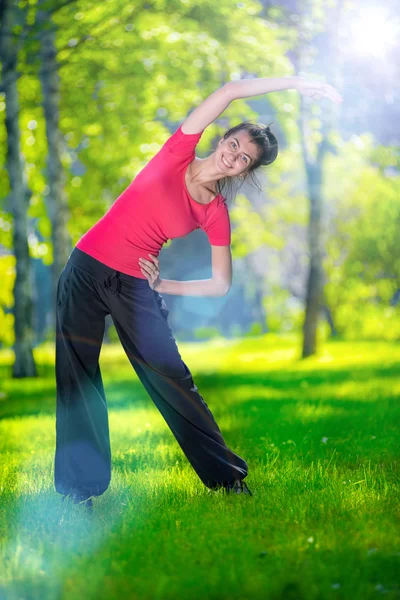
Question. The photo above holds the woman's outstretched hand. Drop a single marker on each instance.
(152, 271)
(317, 90)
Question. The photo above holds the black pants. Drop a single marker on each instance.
(87, 291)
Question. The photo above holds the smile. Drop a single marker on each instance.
(225, 163)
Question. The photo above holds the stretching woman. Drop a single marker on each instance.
(114, 269)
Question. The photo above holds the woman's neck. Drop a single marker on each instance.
(204, 172)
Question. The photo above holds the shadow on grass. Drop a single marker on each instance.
(22, 399)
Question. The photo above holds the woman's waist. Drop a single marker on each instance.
(101, 265)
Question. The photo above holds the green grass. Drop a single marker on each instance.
(321, 438)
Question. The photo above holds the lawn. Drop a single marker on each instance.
(321, 438)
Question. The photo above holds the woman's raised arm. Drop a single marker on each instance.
(204, 114)
(244, 88)
(210, 109)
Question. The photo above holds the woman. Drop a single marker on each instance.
(114, 269)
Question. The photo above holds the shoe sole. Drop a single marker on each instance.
(237, 487)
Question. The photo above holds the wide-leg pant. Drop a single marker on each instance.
(87, 291)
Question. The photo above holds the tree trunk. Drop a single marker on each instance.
(329, 318)
(24, 365)
(56, 200)
(259, 310)
(314, 279)
(314, 174)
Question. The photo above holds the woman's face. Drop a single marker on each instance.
(236, 154)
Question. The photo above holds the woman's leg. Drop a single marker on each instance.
(82, 463)
(140, 318)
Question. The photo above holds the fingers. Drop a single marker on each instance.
(146, 263)
(328, 91)
(147, 269)
(318, 90)
(153, 262)
(144, 267)
(334, 94)
(318, 94)
(151, 275)
(150, 269)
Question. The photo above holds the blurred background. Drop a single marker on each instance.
(90, 91)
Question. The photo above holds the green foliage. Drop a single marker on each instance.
(361, 317)
(113, 335)
(362, 263)
(130, 71)
(122, 68)
(255, 329)
(206, 333)
(249, 231)
(130, 83)
(5, 228)
(7, 277)
(284, 313)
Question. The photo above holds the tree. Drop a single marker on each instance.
(113, 73)
(315, 147)
(18, 197)
(57, 201)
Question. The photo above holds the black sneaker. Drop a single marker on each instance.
(237, 486)
(80, 499)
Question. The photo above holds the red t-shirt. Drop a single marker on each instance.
(155, 207)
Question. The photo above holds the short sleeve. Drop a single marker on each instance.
(182, 144)
(218, 226)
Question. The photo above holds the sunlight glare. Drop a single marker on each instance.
(374, 32)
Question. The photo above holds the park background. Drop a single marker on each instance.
(299, 362)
